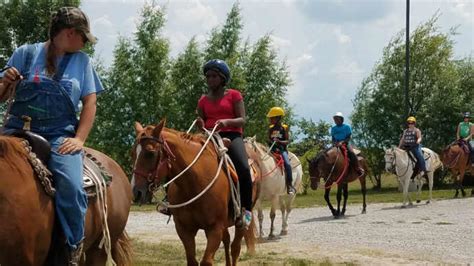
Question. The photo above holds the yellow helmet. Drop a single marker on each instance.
(411, 119)
(276, 111)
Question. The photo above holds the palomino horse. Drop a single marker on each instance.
(200, 195)
(273, 185)
(333, 166)
(398, 162)
(457, 161)
(27, 212)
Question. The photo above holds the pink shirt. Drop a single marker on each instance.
(222, 108)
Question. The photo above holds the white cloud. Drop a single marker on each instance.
(341, 37)
(464, 9)
(280, 42)
(196, 13)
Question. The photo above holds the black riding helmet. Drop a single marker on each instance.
(220, 66)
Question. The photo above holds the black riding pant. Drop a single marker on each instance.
(239, 157)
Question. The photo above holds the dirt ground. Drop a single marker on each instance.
(436, 233)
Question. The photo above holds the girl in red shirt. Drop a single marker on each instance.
(225, 108)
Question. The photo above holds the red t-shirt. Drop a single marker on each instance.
(222, 108)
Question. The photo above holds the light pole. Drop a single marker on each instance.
(407, 60)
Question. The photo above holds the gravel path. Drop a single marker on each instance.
(441, 232)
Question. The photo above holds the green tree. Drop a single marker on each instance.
(379, 118)
(266, 86)
(187, 82)
(138, 88)
(25, 21)
(314, 137)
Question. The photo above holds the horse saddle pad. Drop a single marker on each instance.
(253, 171)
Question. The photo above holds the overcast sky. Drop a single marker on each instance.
(330, 46)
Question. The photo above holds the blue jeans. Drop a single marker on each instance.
(70, 198)
(419, 157)
(287, 165)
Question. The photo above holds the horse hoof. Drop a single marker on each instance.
(271, 236)
(428, 202)
(364, 212)
(283, 232)
(418, 201)
(403, 206)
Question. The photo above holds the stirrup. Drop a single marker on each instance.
(161, 208)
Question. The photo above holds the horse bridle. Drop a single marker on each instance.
(162, 166)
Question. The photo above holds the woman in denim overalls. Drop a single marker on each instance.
(50, 81)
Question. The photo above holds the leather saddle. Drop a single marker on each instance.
(94, 174)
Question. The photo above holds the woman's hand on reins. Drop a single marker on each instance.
(10, 76)
(71, 145)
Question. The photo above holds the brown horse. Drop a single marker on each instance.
(27, 212)
(162, 153)
(457, 161)
(333, 166)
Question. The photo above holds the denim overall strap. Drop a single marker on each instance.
(62, 67)
(47, 103)
(30, 51)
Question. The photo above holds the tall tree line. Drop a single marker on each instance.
(440, 89)
(145, 84)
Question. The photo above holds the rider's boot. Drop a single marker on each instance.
(290, 190)
(76, 254)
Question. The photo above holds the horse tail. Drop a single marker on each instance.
(250, 236)
(122, 250)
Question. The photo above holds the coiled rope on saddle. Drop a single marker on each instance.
(100, 184)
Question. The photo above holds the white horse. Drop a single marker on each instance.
(398, 163)
(273, 186)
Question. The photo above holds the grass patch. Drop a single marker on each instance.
(388, 194)
(172, 253)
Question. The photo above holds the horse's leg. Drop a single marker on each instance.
(187, 236)
(285, 202)
(345, 189)
(363, 189)
(430, 186)
(456, 184)
(272, 216)
(339, 197)
(326, 197)
(96, 256)
(214, 238)
(260, 218)
(461, 178)
(406, 184)
(419, 187)
(226, 242)
(236, 245)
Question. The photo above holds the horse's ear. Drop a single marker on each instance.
(159, 127)
(138, 127)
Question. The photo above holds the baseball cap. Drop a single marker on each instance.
(74, 17)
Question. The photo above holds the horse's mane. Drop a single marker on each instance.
(198, 137)
(320, 156)
(12, 150)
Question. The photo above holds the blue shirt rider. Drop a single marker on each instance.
(341, 135)
(278, 139)
(50, 80)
